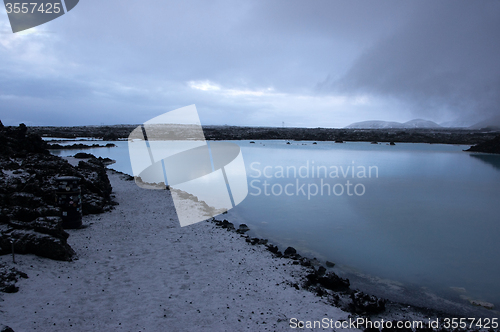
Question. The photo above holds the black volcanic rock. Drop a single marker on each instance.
(8, 278)
(83, 155)
(491, 146)
(242, 229)
(321, 271)
(78, 146)
(333, 282)
(15, 141)
(290, 251)
(366, 304)
(32, 242)
(28, 212)
(273, 249)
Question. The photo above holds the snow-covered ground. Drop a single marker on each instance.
(138, 270)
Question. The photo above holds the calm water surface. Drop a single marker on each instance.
(427, 217)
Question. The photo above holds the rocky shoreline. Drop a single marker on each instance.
(491, 146)
(413, 135)
(78, 146)
(29, 215)
(337, 291)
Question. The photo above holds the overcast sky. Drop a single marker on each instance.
(305, 63)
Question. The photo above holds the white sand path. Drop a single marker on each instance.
(138, 270)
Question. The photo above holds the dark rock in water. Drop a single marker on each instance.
(329, 264)
(366, 304)
(492, 146)
(392, 143)
(83, 155)
(273, 249)
(252, 142)
(339, 141)
(226, 224)
(321, 271)
(78, 146)
(262, 241)
(315, 143)
(290, 251)
(242, 229)
(333, 282)
(304, 261)
(374, 142)
(315, 262)
(254, 241)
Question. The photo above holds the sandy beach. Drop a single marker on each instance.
(138, 270)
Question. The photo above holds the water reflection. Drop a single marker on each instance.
(492, 160)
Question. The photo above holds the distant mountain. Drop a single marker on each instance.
(375, 125)
(455, 124)
(417, 123)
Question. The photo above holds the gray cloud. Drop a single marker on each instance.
(445, 59)
(255, 62)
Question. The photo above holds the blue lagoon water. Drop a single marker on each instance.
(426, 217)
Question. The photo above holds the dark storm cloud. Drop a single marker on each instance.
(254, 62)
(286, 44)
(446, 58)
